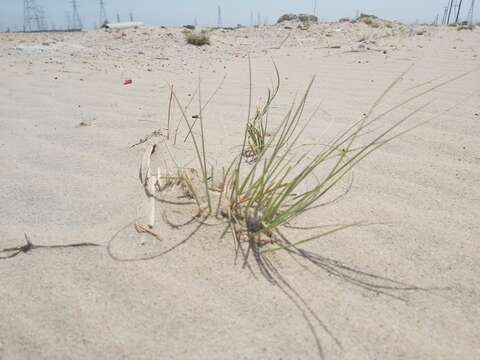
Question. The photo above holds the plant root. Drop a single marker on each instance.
(29, 246)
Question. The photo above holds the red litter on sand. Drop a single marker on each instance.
(128, 82)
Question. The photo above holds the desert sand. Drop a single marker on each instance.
(69, 175)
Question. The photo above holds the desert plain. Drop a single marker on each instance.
(69, 175)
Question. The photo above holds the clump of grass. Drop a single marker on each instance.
(197, 38)
(257, 127)
(261, 198)
(272, 192)
(200, 152)
(264, 198)
(275, 190)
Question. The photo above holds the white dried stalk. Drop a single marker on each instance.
(150, 191)
(149, 182)
(145, 165)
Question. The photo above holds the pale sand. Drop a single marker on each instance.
(65, 184)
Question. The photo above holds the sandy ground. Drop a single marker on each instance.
(62, 183)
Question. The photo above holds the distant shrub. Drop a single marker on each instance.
(197, 38)
(466, 27)
(300, 17)
(367, 16)
(370, 20)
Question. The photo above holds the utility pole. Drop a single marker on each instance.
(470, 13)
(251, 18)
(259, 19)
(454, 10)
(76, 21)
(315, 8)
(118, 17)
(449, 11)
(445, 11)
(458, 11)
(103, 14)
(219, 16)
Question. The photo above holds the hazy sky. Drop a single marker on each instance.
(180, 12)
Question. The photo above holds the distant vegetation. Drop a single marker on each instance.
(197, 38)
(370, 20)
(466, 27)
(298, 17)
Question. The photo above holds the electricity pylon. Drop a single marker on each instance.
(102, 19)
(219, 17)
(76, 21)
(470, 13)
(30, 15)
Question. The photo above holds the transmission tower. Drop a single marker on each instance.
(29, 15)
(76, 21)
(103, 14)
(470, 13)
(131, 16)
(40, 19)
(219, 16)
(118, 17)
(68, 20)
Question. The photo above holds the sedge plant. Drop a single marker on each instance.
(277, 188)
(258, 125)
(286, 181)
